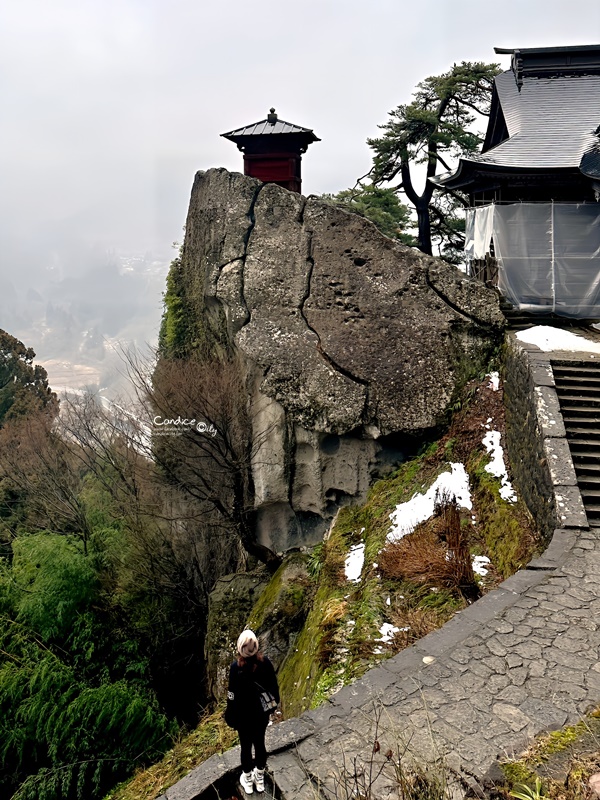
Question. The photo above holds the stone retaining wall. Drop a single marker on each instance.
(538, 450)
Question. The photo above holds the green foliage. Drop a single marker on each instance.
(175, 332)
(52, 580)
(524, 792)
(187, 330)
(77, 713)
(62, 735)
(315, 562)
(571, 751)
(435, 127)
(440, 116)
(500, 522)
(381, 206)
(23, 385)
(283, 598)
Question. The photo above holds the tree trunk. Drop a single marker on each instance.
(424, 224)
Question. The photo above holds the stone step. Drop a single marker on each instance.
(580, 398)
(585, 423)
(590, 435)
(576, 400)
(585, 454)
(592, 478)
(593, 494)
(592, 426)
(575, 366)
(588, 469)
(579, 410)
(578, 389)
(580, 376)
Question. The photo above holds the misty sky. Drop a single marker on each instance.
(110, 106)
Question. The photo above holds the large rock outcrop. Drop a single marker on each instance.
(350, 339)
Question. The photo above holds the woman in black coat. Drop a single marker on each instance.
(250, 676)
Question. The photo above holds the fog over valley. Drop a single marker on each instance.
(80, 312)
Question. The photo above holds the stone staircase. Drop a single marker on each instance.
(578, 389)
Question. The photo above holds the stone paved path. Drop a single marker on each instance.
(523, 660)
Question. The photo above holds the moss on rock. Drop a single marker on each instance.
(281, 609)
(229, 606)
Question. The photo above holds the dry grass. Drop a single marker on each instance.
(415, 623)
(333, 564)
(334, 612)
(436, 553)
(210, 737)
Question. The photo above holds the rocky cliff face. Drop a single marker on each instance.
(350, 339)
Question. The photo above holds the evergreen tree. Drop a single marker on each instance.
(381, 206)
(23, 385)
(434, 128)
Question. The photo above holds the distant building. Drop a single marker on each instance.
(273, 150)
(534, 188)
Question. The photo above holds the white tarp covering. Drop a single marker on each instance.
(479, 231)
(548, 255)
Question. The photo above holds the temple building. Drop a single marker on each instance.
(534, 189)
(273, 150)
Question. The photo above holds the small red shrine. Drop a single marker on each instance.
(273, 150)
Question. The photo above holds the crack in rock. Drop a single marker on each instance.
(453, 306)
(221, 295)
(325, 356)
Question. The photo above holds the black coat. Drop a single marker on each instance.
(244, 709)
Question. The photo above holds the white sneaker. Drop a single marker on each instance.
(259, 779)
(246, 782)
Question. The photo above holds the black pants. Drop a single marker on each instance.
(253, 735)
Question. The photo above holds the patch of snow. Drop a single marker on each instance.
(494, 383)
(388, 631)
(497, 467)
(479, 565)
(407, 516)
(548, 338)
(354, 562)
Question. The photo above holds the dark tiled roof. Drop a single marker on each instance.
(552, 122)
(265, 128)
(569, 48)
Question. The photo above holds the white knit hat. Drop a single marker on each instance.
(247, 644)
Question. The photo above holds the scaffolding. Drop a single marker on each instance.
(548, 254)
